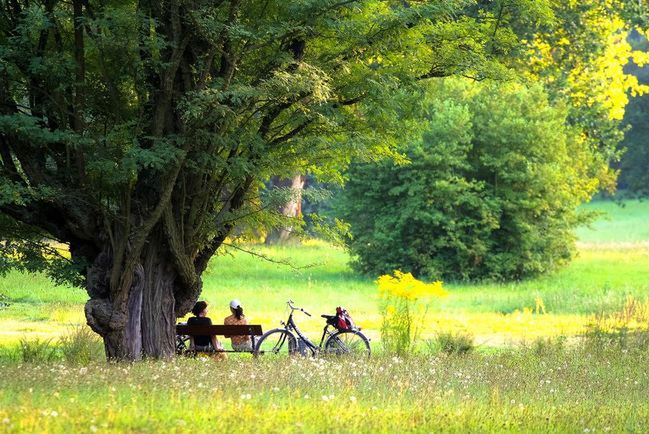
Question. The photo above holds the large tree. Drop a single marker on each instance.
(490, 189)
(137, 133)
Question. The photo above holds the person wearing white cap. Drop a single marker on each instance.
(239, 343)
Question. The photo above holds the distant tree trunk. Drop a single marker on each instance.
(292, 209)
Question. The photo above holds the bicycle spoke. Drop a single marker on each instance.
(277, 342)
(347, 342)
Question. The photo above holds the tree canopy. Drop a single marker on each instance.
(138, 133)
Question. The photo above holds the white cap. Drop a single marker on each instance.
(235, 304)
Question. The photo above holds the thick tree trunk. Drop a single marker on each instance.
(158, 316)
(145, 326)
(293, 208)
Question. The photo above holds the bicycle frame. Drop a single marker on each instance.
(292, 327)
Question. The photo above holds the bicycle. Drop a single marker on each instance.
(289, 340)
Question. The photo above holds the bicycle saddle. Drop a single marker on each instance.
(328, 316)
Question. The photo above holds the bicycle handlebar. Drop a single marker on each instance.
(290, 304)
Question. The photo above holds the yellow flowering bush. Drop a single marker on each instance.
(404, 305)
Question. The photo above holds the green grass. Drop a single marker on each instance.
(504, 385)
(564, 390)
(625, 222)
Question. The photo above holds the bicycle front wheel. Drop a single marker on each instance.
(276, 343)
(348, 342)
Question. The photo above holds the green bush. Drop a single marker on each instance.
(490, 190)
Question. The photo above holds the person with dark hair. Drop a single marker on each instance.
(239, 343)
(202, 343)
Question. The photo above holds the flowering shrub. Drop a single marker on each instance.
(404, 305)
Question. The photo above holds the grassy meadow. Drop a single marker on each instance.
(318, 278)
(528, 372)
(529, 390)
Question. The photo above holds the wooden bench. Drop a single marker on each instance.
(184, 331)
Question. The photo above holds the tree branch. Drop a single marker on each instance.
(274, 261)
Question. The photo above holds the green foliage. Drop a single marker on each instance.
(584, 59)
(107, 105)
(490, 190)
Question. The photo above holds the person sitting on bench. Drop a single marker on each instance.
(239, 343)
(202, 343)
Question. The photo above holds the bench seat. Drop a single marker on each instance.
(252, 330)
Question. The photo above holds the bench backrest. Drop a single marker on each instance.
(229, 330)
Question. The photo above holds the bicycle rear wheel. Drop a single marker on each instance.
(276, 343)
(348, 342)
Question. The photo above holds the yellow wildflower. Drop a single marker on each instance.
(406, 286)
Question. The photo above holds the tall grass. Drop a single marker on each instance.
(78, 346)
(36, 350)
(81, 346)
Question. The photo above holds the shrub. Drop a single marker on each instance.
(490, 190)
(452, 343)
(404, 304)
(81, 346)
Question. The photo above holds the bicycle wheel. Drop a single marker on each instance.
(276, 343)
(348, 342)
(182, 344)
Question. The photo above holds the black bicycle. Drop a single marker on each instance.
(289, 340)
